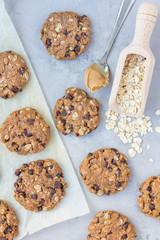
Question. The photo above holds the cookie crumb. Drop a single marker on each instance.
(148, 146)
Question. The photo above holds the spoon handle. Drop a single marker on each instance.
(122, 14)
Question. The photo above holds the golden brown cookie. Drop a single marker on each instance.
(66, 34)
(105, 172)
(13, 74)
(8, 222)
(24, 131)
(40, 185)
(149, 201)
(111, 225)
(76, 113)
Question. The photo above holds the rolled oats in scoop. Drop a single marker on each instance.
(129, 96)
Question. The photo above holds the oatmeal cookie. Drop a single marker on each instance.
(66, 34)
(24, 131)
(13, 74)
(8, 222)
(40, 185)
(76, 113)
(111, 225)
(105, 172)
(149, 201)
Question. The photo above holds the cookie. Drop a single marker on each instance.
(105, 172)
(149, 201)
(76, 113)
(111, 225)
(24, 131)
(8, 222)
(13, 74)
(40, 185)
(66, 34)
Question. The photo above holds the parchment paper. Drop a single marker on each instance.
(74, 203)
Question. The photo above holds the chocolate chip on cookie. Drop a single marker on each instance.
(40, 185)
(66, 34)
(13, 74)
(24, 131)
(8, 222)
(111, 225)
(105, 172)
(76, 113)
(149, 201)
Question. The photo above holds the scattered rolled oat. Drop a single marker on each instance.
(148, 146)
(129, 96)
(157, 129)
(129, 130)
(157, 112)
(151, 160)
(131, 152)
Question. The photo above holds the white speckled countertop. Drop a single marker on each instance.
(55, 76)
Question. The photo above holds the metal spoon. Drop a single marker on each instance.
(101, 66)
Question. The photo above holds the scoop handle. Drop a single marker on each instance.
(145, 21)
(125, 7)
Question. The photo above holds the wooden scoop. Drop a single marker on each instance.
(145, 21)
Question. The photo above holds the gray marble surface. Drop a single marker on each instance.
(55, 76)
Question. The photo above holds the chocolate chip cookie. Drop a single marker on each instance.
(111, 225)
(76, 113)
(66, 34)
(40, 185)
(105, 172)
(8, 222)
(149, 201)
(24, 131)
(13, 74)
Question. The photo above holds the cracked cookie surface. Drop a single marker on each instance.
(111, 225)
(8, 222)
(76, 113)
(24, 131)
(40, 185)
(13, 74)
(149, 201)
(66, 34)
(105, 172)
